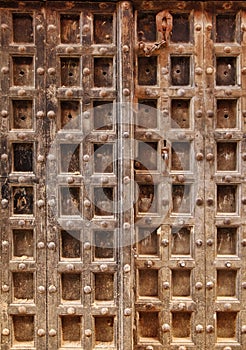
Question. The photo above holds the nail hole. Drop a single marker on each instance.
(226, 116)
(104, 73)
(70, 74)
(225, 73)
(23, 117)
(21, 73)
(70, 116)
(178, 71)
(147, 71)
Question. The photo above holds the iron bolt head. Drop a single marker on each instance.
(51, 245)
(199, 201)
(199, 285)
(127, 268)
(210, 285)
(87, 246)
(166, 285)
(52, 289)
(210, 242)
(166, 327)
(22, 309)
(71, 311)
(210, 156)
(5, 288)
(86, 157)
(40, 70)
(209, 70)
(5, 331)
(228, 264)
(199, 242)
(104, 311)
(127, 312)
(21, 92)
(149, 263)
(103, 267)
(22, 266)
(4, 203)
(41, 332)
(40, 203)
(41, 289)
(227, 221)
(199, 113)
(182, 263)
(4, 113)
(70, 267)
(243, 329)
(103, 93)
(88, 332)
(86, 71)
(87, 289)
(51, 71)
(87, 203)
(52, 332)
(126, 226)
(165, 242)
(210, 328)
(51, 114)
(198, 71)
(199, 328)
(40, 245)
(227, 306)
(199, 156)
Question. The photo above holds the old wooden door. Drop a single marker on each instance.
(123, 175)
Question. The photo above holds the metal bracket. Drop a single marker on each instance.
(164, 24)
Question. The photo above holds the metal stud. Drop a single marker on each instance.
(41, 289)
(104, 311)
(41, 332)
(40, 71)
(88, 332)
(22, 309)
(52, 332)
(51, 114)
(166, 327)
(127, 312)
(71, 311)
(22, 266)
(127, 268)
(87, 246)
(52, 289)
(227, 306)
(51, 245)
(87, 289)
(103, 267)
(148, 263)
(4, 113)
(210, 285)
(199, 328)
(70, 267)
(210, 328)
(5, 331)
(166, 285)
(5, 288)
(198, 285)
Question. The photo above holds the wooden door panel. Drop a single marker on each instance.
(122, 175)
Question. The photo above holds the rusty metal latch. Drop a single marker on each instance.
(164, 25)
